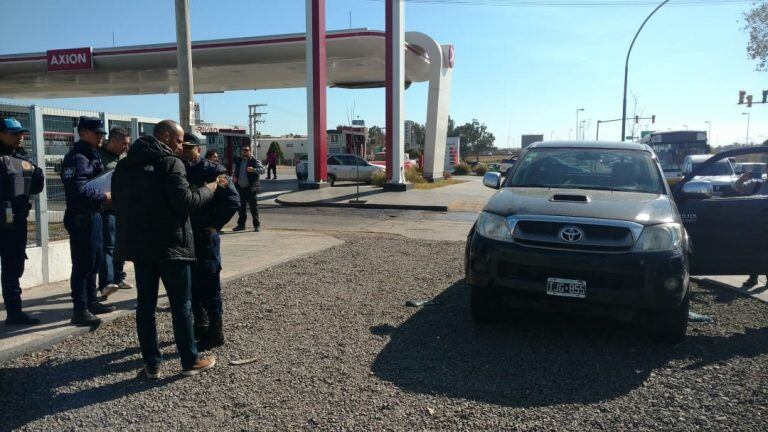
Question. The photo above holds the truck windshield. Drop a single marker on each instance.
(579, 168)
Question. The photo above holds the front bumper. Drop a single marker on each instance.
(633, 280)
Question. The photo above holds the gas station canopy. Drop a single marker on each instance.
(356, 59)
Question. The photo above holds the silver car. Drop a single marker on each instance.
(342, 167)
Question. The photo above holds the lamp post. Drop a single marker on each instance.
(746, 142)
(626, 71)
(577, 123)
(569, 134)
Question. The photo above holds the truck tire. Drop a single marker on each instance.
(669, 326)
(485, 304)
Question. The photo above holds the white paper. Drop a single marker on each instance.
(101, 184)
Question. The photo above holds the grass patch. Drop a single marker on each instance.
(437, 184)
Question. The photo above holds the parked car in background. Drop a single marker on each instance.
(720, 174)
(344, 167)
(585, 227)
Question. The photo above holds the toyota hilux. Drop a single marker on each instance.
(585, 226)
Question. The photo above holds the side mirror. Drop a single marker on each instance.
(697, 190)
(492, 180)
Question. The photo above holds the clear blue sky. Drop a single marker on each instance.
(518, 69)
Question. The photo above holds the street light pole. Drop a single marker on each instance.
(709, 129)
(626, 72)
(577, 123)
(746, 142)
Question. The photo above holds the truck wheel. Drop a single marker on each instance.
(670, 326)
(331, 179)
(485, 304)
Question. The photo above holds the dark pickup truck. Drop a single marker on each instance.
(594, 228)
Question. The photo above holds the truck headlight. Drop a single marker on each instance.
(662, 237)
(493, 227)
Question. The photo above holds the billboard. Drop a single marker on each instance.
(69, 59)
(527, 140)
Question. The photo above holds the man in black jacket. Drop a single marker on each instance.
(19, 179)
(246, 177)
(206, 223)
(153, 200)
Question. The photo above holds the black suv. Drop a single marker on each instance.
(586, 226)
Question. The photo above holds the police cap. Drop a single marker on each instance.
(11, 125)
(92, 123)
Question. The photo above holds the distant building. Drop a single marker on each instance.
(527, 140)
(344, 139)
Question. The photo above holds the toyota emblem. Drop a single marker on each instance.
(572, 234)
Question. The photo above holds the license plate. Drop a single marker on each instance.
(566, 287)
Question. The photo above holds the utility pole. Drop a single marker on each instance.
(184, 65)
(746, 142)
(709, 129)
(577, 123)
(254, 118)
(626, 72)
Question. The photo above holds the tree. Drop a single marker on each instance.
(375, 137)
(474, 137)
(419, 132)
(274, 147)
(757, 25)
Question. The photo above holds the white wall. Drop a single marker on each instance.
(59, 262)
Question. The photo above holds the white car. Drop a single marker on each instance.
(721, 174)
(342, 167)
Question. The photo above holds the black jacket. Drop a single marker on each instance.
(226, 201)
(152, 201)
(253, 178)
(20, 178)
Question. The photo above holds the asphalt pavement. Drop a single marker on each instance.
(336, 348)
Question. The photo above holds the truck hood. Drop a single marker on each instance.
(643, 208)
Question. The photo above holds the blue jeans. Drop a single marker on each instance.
(176, 276)
(206, 280)
(85, 245)
(111, 271)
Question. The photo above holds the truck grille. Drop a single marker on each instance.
(597, 238)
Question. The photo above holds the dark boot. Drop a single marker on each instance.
(100, 308)
(85, 318)
(752, 281)
(20, 318)
(215, 336)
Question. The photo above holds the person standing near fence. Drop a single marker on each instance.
(246, 177)
(153, 201)
(19, 179)
(111, 274)
(82, 220)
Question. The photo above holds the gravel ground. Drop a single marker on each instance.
(338, 350)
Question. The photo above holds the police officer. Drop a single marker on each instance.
(206, 224)
(83, 220)
(19, 178)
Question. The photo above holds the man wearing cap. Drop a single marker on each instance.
(83, 220)
(19, 179)
(207, 221)
(111, 274)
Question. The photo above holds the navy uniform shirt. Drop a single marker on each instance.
(225, 202)
(19, 179)
(81, 165)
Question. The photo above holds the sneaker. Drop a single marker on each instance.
(238, 228)
(109, 290)
(257, 228)
(100, 308)
(201, 365)
(124, 285)
(152, 372)
(20, 318)
(85, 318)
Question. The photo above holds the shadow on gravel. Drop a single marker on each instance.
(536, 359)
(31, 393)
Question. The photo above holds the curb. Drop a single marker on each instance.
(72, 331)
(436, 208)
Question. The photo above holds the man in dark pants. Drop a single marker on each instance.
(83, 220)
(19, 179)
(751, 184)
(111, 274)
(206, 224)
(246, 178)
(153, 201)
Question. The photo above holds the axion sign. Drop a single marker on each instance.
(70, 59)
